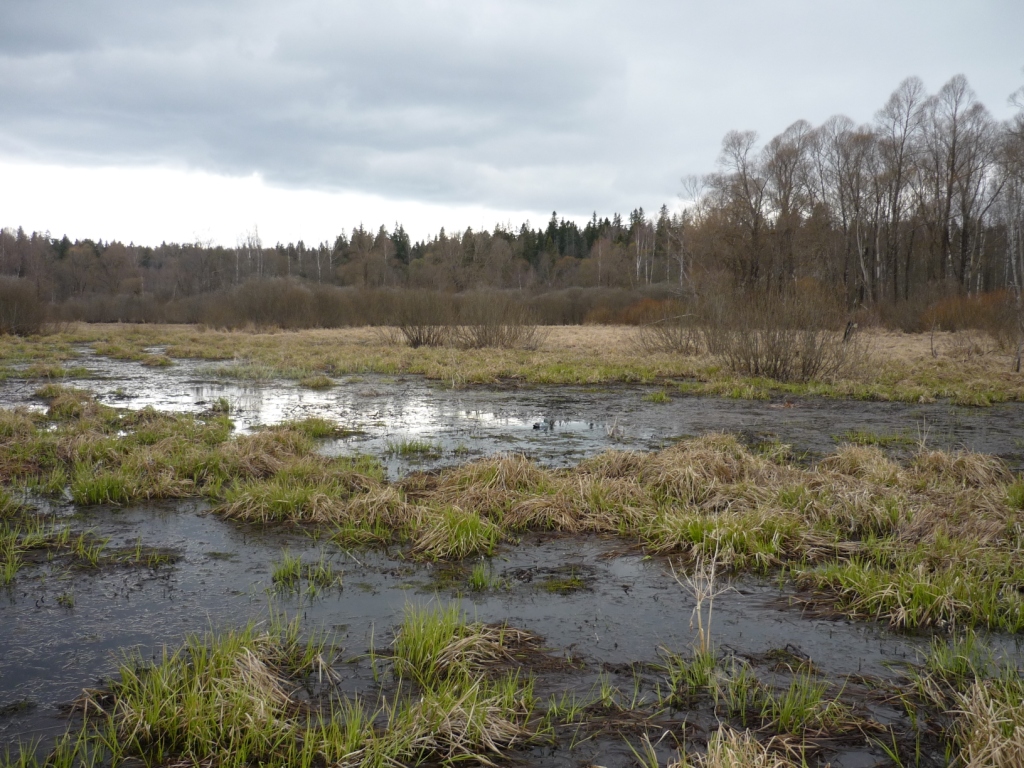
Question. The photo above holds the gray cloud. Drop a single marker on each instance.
(507, 103)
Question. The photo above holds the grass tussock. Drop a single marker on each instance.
(316, 427)
(266, 695)
(975, 697)
(453, 533)
(317, 381)
(991, 724)
(433, 644)
(932, 542)
(731, 748)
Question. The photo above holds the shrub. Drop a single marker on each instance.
(669, 327)
(789, 337)
(491, 319)
(21, 311)
(276, 302)
(424, 318)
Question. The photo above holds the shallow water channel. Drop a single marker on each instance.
(621, 610)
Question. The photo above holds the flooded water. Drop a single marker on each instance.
(556, 426)
(622, 610)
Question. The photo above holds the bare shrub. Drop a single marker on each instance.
(680, 333)
(489, 319)
(966, 343)
(595, 306)
(21, 311)
(792, 337)
(639, 311)
(424, 318)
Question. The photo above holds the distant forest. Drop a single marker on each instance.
(925, 201)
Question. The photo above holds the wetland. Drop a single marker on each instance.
(209, 562)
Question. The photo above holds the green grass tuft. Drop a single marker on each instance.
(413, 448)
(452, 533)
(319, 381)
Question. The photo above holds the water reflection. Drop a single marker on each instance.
(557, 426)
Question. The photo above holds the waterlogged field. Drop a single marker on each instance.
(206, 564)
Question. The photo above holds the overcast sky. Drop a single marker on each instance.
(198, 119)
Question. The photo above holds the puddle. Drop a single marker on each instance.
(557, 426)
(595, 603)
(584, 597)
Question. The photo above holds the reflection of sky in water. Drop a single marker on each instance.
(557, 426)
(457, 425)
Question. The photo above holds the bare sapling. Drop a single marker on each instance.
(702, 584)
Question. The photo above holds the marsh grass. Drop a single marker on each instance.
(88, 550)
(452, 533)
(413, 448)
(27, 537)
(287, 572)
(730, 748)
(9, 506)
(100, 455)
(1015, 495)
(434, 643)
(318, 381)
(990, 729)
(932, 541)
(42, 370)
(977, 696)
(657, 397)
(482, 578)
(564, 580)
(10, 564)
(687, 678)
(902, 367)
(803, 707)
(317, 427)
(266, 695)
(862, 437)
(291, 571)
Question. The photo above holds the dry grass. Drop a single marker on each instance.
(729, 748)
(991, 726)
(936, 541)
(902, 366)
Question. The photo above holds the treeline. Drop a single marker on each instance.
(928, 197)
(924, 203)
(600, 254)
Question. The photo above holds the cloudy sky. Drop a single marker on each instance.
(198, 119)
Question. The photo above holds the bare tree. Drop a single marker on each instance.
(898, 125)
